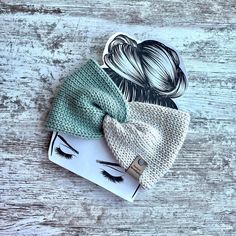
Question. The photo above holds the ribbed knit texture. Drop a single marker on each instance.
(153, 132)
(83, 100)
(90, 105)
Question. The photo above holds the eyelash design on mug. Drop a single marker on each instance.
(63, 154)
(114, 179)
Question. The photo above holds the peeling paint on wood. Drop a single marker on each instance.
(42, 42)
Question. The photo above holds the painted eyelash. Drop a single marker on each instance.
(114, 179)
(63, 154)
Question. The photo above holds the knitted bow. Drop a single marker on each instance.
(90, 105)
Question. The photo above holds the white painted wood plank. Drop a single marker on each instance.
(43, 41)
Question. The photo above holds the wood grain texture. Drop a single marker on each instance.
(43, 41)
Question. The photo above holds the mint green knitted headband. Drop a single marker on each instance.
(85, 98)
(144, 138)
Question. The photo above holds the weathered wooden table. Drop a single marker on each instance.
(42, 41)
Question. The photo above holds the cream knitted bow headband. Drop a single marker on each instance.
(144, 138)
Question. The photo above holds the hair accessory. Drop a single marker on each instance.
(144, 138)
(85, 98)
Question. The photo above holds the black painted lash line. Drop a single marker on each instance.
(67, 144)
